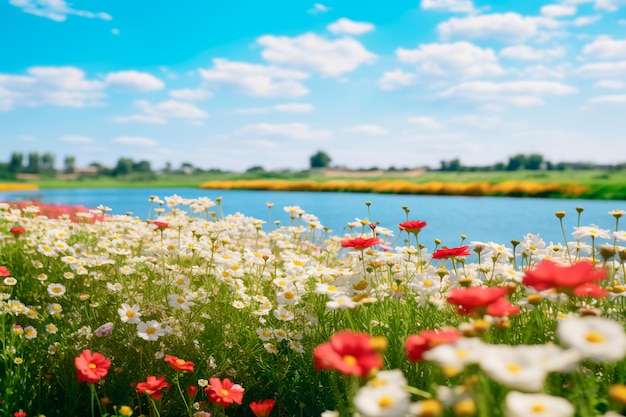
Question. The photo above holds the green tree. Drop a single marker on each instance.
(142, 166)
(69, 164)
(534, 161)
(124, 167)
(516, 162)
(320, 160)
(33, 163)
(16, 163)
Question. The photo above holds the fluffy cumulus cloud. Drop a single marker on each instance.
(452, 59)
(503, 27)
(255, 79)
(134, 80)
(424, 122)
(614, 70)
(609, 99)
(345, 26)
(293, 107)
(457, 6)
(558, 10)
(396, 79)
(56, 10)
(189, 94)
(55, 86)
(314, 53)
(605, 47)
(610, 84)
(159, 113)
(519, 93)
(298, 131)
(319, 8)
(369, 129)
(77, 139)
(528, 53)
(135, 140)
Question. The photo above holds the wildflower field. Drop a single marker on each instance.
(192, 313)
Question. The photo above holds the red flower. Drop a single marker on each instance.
(91, 367)
(17, 231)
(360, 243)
(20, 413)
(475, 299)
(192, 391)
(567, 279)
(501, 307)
(224, 392)
(412, 226)
(451, 253)
(349, 353)
(179, 364)
(262, 408)
(417, 345)
(153, 387)
(4, 272)
(161, 225)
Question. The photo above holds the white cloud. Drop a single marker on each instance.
(314, 53)
(520, 93)
(191, 95)
(605, 47)
(610, 84)
(349, 27)
(134, 140)
(56, 10)
(171, 109)
(587, 20)
(56, 86)
(134, 80)
(504, 27)
(298, 131)
(319, 8)
(373, 130)
(140, 118)
(294, 107)
(256, 80)
(542, 72)
(603, 70)
(424, 122)
(397, 79)
(253, 110)
(558, 10)
(77, 139)
(609, 99)
(452, 59)
(528, 53)
(458, 6)
(608, 5)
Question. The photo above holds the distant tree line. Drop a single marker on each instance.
(531, 162)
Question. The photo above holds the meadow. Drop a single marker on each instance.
(192, 313)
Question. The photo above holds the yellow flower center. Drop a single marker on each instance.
(224, 392)
(513, 368)
(180, 362)
(150, 330)
(92, 366)
(130, 314)
(289, 295)
(385, 401)
(538, 408)
(350, 360)
(594, 337)
(428, 283)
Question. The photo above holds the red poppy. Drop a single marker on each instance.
(475, 299)
(448, 253)
(20, 413)
(349, 353)
(179, 364)
(91, 367)
(192, 391)
(412, 226)
(4, 272)
(16, 231)
(161, 225)
(224, 392)
(501, 307)
(567, 279)
(590, 290)
(153, 387)
(262, 408)
(360, 243)
(417, 345)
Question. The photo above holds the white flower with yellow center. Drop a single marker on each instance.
(597, 338)
(528, 405)
(150, 330)
(453, 357)
(30, 332)
(388, 400)
(179, 302)
(56, 290)
(54, 308)
(129, 314)
(590, 231)
(514, 366)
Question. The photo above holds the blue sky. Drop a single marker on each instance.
(231, 85)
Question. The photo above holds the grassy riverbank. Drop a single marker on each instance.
(594, 184)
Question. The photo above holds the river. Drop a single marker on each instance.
(495, 219)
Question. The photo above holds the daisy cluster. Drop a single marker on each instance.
(523, 328)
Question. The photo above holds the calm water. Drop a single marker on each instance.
(497, 219)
